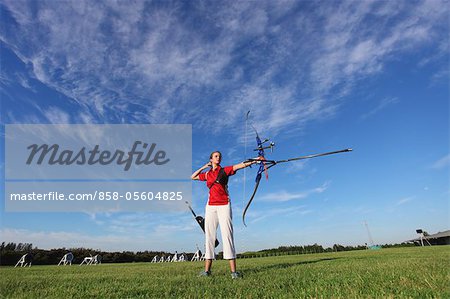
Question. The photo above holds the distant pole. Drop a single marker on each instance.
(368, 233)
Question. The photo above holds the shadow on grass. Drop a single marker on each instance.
(286, 265)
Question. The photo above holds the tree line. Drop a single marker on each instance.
(307, 249)
(315, 248)
(10, 253)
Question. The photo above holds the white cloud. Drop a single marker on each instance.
(442, 163)
(110, 232)
(353, 48)
(384, 103)
(296, 167)
(70, 239)
(57, 116)
(282, 196)
(404, 200)
(148, 63)
(399, 204)
(256, 216)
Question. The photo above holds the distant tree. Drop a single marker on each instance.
(338, 247)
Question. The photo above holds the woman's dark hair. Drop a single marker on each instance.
(210, 156)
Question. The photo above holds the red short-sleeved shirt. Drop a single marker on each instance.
(218, 195)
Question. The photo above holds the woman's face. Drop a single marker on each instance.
(215, 158)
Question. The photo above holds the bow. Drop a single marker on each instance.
(262, 167)
(265, 164)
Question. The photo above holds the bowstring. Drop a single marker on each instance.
(245, 157)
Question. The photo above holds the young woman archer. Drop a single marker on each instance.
(218, 209)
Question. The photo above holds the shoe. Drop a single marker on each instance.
(236, 275)
(205, 274)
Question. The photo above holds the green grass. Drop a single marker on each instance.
(418, 272)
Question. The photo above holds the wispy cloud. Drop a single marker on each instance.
(404, 201)
(296, 167)
(112, 231)
(57, 116)
(70, 239)
(383, 104)
(399, 204)
(281, 196)
(143, 223)
(256, 216)
(442, 163)
(154, 63)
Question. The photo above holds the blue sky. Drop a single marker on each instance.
(316, 75)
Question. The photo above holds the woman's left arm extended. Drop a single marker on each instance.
(243, 165)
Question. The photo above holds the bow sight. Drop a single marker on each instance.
(261, 147)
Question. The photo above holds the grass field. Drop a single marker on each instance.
(418, 272)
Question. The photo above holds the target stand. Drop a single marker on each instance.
(66, 259)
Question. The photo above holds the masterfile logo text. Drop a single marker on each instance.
(97, 163)
(52, 154)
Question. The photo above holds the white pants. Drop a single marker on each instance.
(219, 215)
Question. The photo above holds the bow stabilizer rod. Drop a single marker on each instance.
(314, 156)
(274, 162)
